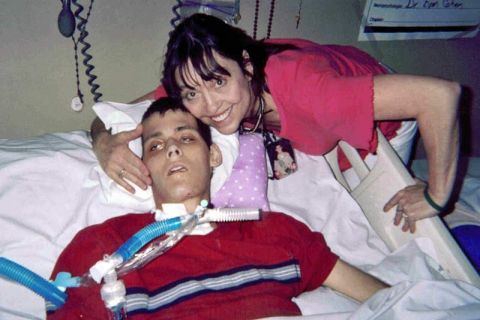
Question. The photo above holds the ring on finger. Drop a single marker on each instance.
(122, 172)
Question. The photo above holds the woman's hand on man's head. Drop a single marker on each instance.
(119, 162)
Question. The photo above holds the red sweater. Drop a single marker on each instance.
(240, 270)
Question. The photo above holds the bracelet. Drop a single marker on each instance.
(431, 202)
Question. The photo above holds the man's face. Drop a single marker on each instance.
(178, 158)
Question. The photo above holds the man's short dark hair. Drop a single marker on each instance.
(162, 105)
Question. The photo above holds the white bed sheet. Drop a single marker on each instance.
(420, 288)
(49, 189)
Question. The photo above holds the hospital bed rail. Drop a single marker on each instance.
(377, 186)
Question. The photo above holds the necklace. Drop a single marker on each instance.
(259, 115)
(261, 108)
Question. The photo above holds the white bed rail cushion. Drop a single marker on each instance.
(377, 186)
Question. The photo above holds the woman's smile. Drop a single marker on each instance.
(223, 116)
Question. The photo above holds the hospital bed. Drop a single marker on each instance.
(380, 184)
(51, 186)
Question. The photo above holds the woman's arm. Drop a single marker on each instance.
(114, 155)
(434, 104)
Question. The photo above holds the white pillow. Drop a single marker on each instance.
(123, 117)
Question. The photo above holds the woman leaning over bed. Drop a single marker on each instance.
(314, 95)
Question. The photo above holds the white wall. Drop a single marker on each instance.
(128, 37)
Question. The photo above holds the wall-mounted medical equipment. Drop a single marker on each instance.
(227, 10)
(68, 22)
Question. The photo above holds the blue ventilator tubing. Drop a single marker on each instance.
(33, 281)
(147, 234)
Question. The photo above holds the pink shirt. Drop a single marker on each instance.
(324, 93)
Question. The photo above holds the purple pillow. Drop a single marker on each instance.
(247, 185)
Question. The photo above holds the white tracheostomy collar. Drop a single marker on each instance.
(172, 210)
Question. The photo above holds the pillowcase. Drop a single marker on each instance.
(237, 181)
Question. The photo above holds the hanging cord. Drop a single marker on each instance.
(270, 18)
(81, 27)
(255, 19)
(77, 73)
(299, 14)
(176, 14)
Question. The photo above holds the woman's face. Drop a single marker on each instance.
(222, 103)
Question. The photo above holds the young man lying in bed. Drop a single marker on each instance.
(239, 270)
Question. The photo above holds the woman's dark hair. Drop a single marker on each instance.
(197, 37)
(162, 105)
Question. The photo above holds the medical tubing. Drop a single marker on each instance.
(117, 313)
(81, 27)
(147, 234)
(113, 293)
(32, 281)
(231, 214)
(157, 248)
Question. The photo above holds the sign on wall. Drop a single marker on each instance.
(419, 19)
